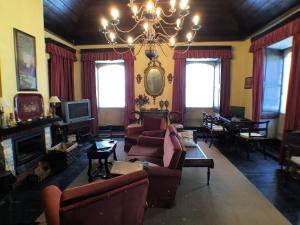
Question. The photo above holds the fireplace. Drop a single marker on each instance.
(28, 150)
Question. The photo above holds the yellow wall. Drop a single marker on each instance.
(27, 16)
(241, 67)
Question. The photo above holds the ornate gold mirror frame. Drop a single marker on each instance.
(154, 80)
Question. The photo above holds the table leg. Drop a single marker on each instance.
(114, 152)
(90, 171)
(208, 175)
(106, 168)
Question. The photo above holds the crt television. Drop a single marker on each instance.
(237, 111)
(74, 111)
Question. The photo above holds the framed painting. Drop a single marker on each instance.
(25, 56)
(248, 83)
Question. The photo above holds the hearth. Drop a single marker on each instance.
(28, 150)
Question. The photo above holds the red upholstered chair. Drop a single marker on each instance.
(165, 159)
(118, 201)
(154, 127)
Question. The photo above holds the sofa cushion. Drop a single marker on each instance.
(151, 123)
(156, 161)
(138, 150)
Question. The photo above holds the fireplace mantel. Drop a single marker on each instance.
(11, 132)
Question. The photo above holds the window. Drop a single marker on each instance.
(276, 79)
(110, 84)
(201, 83)
(217, 86)
(272, 81)
(286, 76)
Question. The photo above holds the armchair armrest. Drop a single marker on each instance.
(150, 141)
(51, 196)
(157, 171)
(292, 150)
(154, 133)
(134, 130)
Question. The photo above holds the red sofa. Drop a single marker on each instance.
(165, 157)
(118, 201)
(151, 126)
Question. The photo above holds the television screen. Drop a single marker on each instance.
(237, 111)
(78, 110)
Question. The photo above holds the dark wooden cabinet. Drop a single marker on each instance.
(61, 130)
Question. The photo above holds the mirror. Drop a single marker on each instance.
(154, 79)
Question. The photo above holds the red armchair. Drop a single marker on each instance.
(165, 159)
(118, 201)
(154, 127)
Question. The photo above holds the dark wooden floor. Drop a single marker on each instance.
(264, 174)
(269, 179)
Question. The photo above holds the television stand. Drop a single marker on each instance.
(82, 130)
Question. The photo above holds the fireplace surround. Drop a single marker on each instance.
(28, 150)
(23, 145)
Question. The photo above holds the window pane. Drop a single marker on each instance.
(285, 82)
(217, 86)
(199, 85)
(111, 86)
(272, 81)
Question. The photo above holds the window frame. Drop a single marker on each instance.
(100, 64)
(212, 62)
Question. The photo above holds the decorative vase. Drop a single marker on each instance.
(161, 104)
(166, 104)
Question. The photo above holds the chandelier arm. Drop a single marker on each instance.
(127, 31)
(168, 23)
(159, 45)
(120, 53)
(168, 15)
(118, 36)
(185, 51)
(166, 33)
(162, 37)
(141, 46)
(138, 37)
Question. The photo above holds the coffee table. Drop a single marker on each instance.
(195, 157)
(101, 150)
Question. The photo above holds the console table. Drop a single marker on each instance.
(155, 113)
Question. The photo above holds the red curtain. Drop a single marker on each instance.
(93, 55)
(292, 116)
(180, 56)
(61, 72)
(225, 87)
(178, 99)
(276, 35)
(257, 86)
(88, 77)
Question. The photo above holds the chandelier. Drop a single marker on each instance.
(157, 27)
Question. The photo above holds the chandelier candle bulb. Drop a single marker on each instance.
(183, 4)
(196, 20)
(158, 12)
(172, 42)
(189, 37)
(130, 42)
(104, 23)
(115, 14)
(134, 10)
(172, 3)
(112, 37)
(146, 26)
(149, 7)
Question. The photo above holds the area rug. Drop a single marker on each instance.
(230, 199)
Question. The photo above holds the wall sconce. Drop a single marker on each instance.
(138, 78)
(170, 78)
